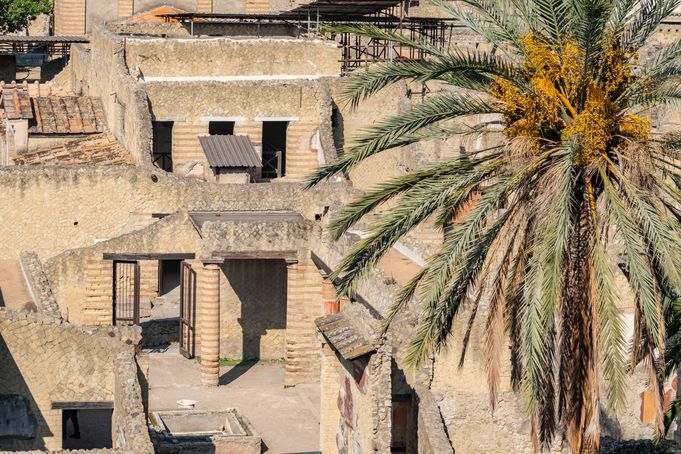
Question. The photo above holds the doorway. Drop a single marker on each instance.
(86, 428)
(126, 292)
(163, 145)
(221, 128)
(274, 149)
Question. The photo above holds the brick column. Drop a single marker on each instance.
(330, 301)
(210, 325)
(329, 415)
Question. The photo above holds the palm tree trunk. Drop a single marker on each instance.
(578, 398)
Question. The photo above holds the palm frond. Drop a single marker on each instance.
(356, 210)
(402, 129)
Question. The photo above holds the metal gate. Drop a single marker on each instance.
(126, 292)
(187, 310)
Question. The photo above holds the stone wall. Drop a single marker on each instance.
(39, 284)
(223, 57)
(100, 70)
(192, 104)
(82, 279)
(57, 203)
(253, 309)
(47, 362)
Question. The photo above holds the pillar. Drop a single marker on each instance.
(210, 324)
(330, 301)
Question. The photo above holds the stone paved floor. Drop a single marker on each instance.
(287, 418)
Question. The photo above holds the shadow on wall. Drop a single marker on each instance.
(261, 289)
(22, 424)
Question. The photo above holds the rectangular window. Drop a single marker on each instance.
(221, 128)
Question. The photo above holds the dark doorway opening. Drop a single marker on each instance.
(163, 144)
(86, 428)
(221, 128)
(169, 276)
(274, 149)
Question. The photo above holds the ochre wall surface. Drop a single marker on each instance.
(253, 309)
(223, 57)
(47, 362)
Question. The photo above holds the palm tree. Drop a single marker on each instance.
(579, 170)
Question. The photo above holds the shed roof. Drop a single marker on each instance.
(229, 151)
(17, 104)
(343, 336)
(347, 8)
(68, 115)
(199, 218)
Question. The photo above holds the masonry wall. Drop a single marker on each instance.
(82, 279)
(65, 208)
(100, 70)
(48, 362)
(191, 105)
(253, 309)
(224, 57)
(361, 419)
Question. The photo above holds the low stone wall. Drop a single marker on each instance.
(130, 433)
(39, 284)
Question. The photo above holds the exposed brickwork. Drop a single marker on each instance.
(329, 415)
(98, 308)
(302, 346)
(210, 325)
(126, 8)
(301, 156)
(186, 147)
(70, 16)
(204, 6)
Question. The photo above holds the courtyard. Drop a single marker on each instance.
(256, 390)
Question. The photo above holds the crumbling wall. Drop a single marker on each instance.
(100, 70)
(47, 361)
(223, 57)
(39, 284)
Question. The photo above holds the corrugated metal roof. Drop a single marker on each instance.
(343, 336)
(229, 151)
(17, 104)
(348, 8)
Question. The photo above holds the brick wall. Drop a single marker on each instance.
(304, 297)
(70, 16)
(186, 147)
(126, 8)
(329, 415)
(98, 307)
(301, 156)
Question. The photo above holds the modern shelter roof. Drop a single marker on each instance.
(229, 151)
